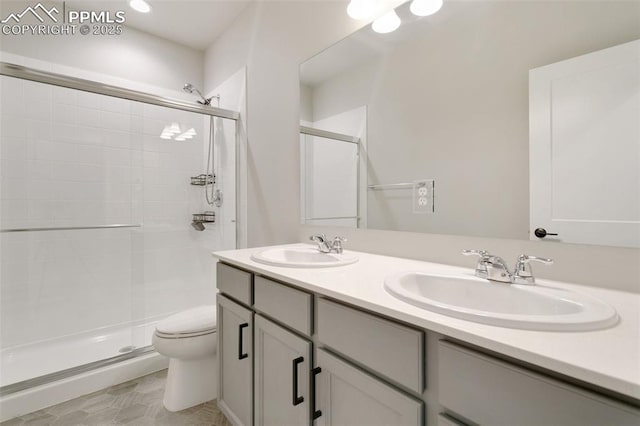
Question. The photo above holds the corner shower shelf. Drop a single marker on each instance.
(206, 217)
(203, 179)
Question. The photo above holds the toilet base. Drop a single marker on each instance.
(190, 382)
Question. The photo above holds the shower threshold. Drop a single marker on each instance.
(42, 362)
(73, 371)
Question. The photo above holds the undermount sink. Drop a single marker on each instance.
(531, 307)
(303, 257)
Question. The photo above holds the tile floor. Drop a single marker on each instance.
(135, 403)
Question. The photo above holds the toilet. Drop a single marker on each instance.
(189, 340)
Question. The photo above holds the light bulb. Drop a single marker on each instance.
(425, 7)
(140, 6)
(361, 9)
(184, 136)
(174, 128)
(386, 23)
(166, 133)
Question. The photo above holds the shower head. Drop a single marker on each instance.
(198, 226)
(190, 88)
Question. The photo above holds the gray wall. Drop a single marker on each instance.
(272, 39)
(273, 56)
(451, 104)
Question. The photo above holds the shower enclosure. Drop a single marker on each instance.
(331, 181)
(96, 212)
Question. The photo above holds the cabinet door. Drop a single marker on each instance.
(489, 391)
(235, 354)
(348, 396)
(282, 366)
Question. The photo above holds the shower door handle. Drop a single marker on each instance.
(241, 353)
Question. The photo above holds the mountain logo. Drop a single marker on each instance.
(34, 11)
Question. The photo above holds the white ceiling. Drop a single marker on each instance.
(193, 23)
(365, 45)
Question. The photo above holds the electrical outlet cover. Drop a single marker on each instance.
(423, 196)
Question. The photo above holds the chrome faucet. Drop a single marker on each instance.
(497, 270)
(481, 266)
(494, 268)
(326, 246)
(323, 243)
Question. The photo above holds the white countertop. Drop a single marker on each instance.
(608, 358)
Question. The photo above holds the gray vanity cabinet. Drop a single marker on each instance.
(235, 356)
(387, 348)
(282, 366)
(385, 351)
(489, 391)
(348, 396)
(321, 362)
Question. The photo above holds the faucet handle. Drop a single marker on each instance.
(525, 258)
(523, 273)
(482, 253)
(481, 266)
(318, 237)
(336, 245)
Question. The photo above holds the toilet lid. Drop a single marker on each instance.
(201, 318)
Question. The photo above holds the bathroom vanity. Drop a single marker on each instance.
(331, 346)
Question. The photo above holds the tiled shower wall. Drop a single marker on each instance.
(71, 158)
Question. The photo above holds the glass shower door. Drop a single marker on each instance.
(97, 204)
(68, 197)
(330, 181)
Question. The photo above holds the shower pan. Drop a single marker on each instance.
(96, 243)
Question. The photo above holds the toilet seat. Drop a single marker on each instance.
(193, 322)
(183, 335)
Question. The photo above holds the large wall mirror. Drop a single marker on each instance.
(488, 118)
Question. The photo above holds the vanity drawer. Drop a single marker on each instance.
(235, 283)
(489, 391)
(388, 348)
(285, 304)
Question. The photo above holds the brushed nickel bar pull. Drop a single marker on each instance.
(70, 228)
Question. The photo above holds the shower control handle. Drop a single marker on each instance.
(241, 353)
(296, 399)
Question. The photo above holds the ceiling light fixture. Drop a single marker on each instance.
(140, 6)
(174, 128)
(361, 9)
(386, 23)
(425, 7)
(173, 131)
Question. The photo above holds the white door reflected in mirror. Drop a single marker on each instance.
(584, 148)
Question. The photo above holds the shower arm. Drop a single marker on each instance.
(188, 87)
